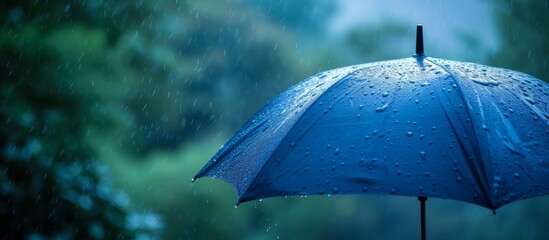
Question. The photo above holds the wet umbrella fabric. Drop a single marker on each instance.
(417, 126)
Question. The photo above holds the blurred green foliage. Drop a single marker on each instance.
(306, 16)
(525, 37)
(108, 109)
(51, 185)
(369, 42)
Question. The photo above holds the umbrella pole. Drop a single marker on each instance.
(422, 200)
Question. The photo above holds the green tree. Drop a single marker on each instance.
(51, 185)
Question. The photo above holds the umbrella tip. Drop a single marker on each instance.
(419, 42)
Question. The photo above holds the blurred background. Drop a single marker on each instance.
(109, 108)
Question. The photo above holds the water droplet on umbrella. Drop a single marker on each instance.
(485, 82)
(385, 94)
(382, 108)
(530, 100)
(409, 134)
(336, 151)
(422, 155)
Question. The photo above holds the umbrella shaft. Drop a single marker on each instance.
(422, 209)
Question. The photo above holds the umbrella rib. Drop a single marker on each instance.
(463, 148)
(243, 198)
(484, 183)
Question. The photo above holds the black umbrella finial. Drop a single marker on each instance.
(419, 41)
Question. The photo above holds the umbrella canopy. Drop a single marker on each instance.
(416, 126)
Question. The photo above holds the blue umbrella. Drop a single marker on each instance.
(416, 126)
